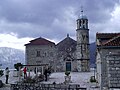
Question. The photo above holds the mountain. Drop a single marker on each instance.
(92, 54)
(11, 56)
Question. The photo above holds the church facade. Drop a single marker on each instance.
(67, 55)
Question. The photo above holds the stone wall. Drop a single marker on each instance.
(36, 55)
(113, 70)
(102, 55)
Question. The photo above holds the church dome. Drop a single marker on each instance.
(82, 17)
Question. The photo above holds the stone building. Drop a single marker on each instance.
(108, 60)
(67, 55)
(40, 51)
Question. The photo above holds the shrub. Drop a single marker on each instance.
(67, 73)
(28, 80)
(1, 73)
(17, 65)
(92, 79)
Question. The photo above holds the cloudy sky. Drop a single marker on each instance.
(24, 20)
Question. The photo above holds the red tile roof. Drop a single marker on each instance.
(40, 41)
(108, 39)
(106, 35)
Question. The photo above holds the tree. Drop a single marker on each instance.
(17, 65)
(1, 73)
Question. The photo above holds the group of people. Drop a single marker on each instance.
(7, 71)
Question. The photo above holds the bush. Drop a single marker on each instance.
(92, 79)
(67, 73)
(28, 80)
(39, 78)
(1, 73)
(16, 66)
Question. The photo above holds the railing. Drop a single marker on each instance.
(38, 86)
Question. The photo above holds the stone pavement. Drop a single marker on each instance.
(5, 87)
(77, 78)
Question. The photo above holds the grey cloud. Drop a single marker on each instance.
(99, 10)
(35, 18)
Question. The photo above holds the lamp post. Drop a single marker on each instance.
(94, 71)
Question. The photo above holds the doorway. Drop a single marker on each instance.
(68, 66)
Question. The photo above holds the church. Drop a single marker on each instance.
(67, 55)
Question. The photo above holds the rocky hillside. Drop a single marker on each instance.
(10, 56)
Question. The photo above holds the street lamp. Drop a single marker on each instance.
(94, 71)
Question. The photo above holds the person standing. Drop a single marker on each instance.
(35, 70)
(25, 72)
(45, 73)
(7, 74)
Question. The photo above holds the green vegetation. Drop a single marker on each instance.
(17, 65)
(67, 73)
(1, 73)
(92, 79)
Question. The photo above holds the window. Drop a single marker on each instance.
(38, 54)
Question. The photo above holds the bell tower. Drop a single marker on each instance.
(82, 53)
